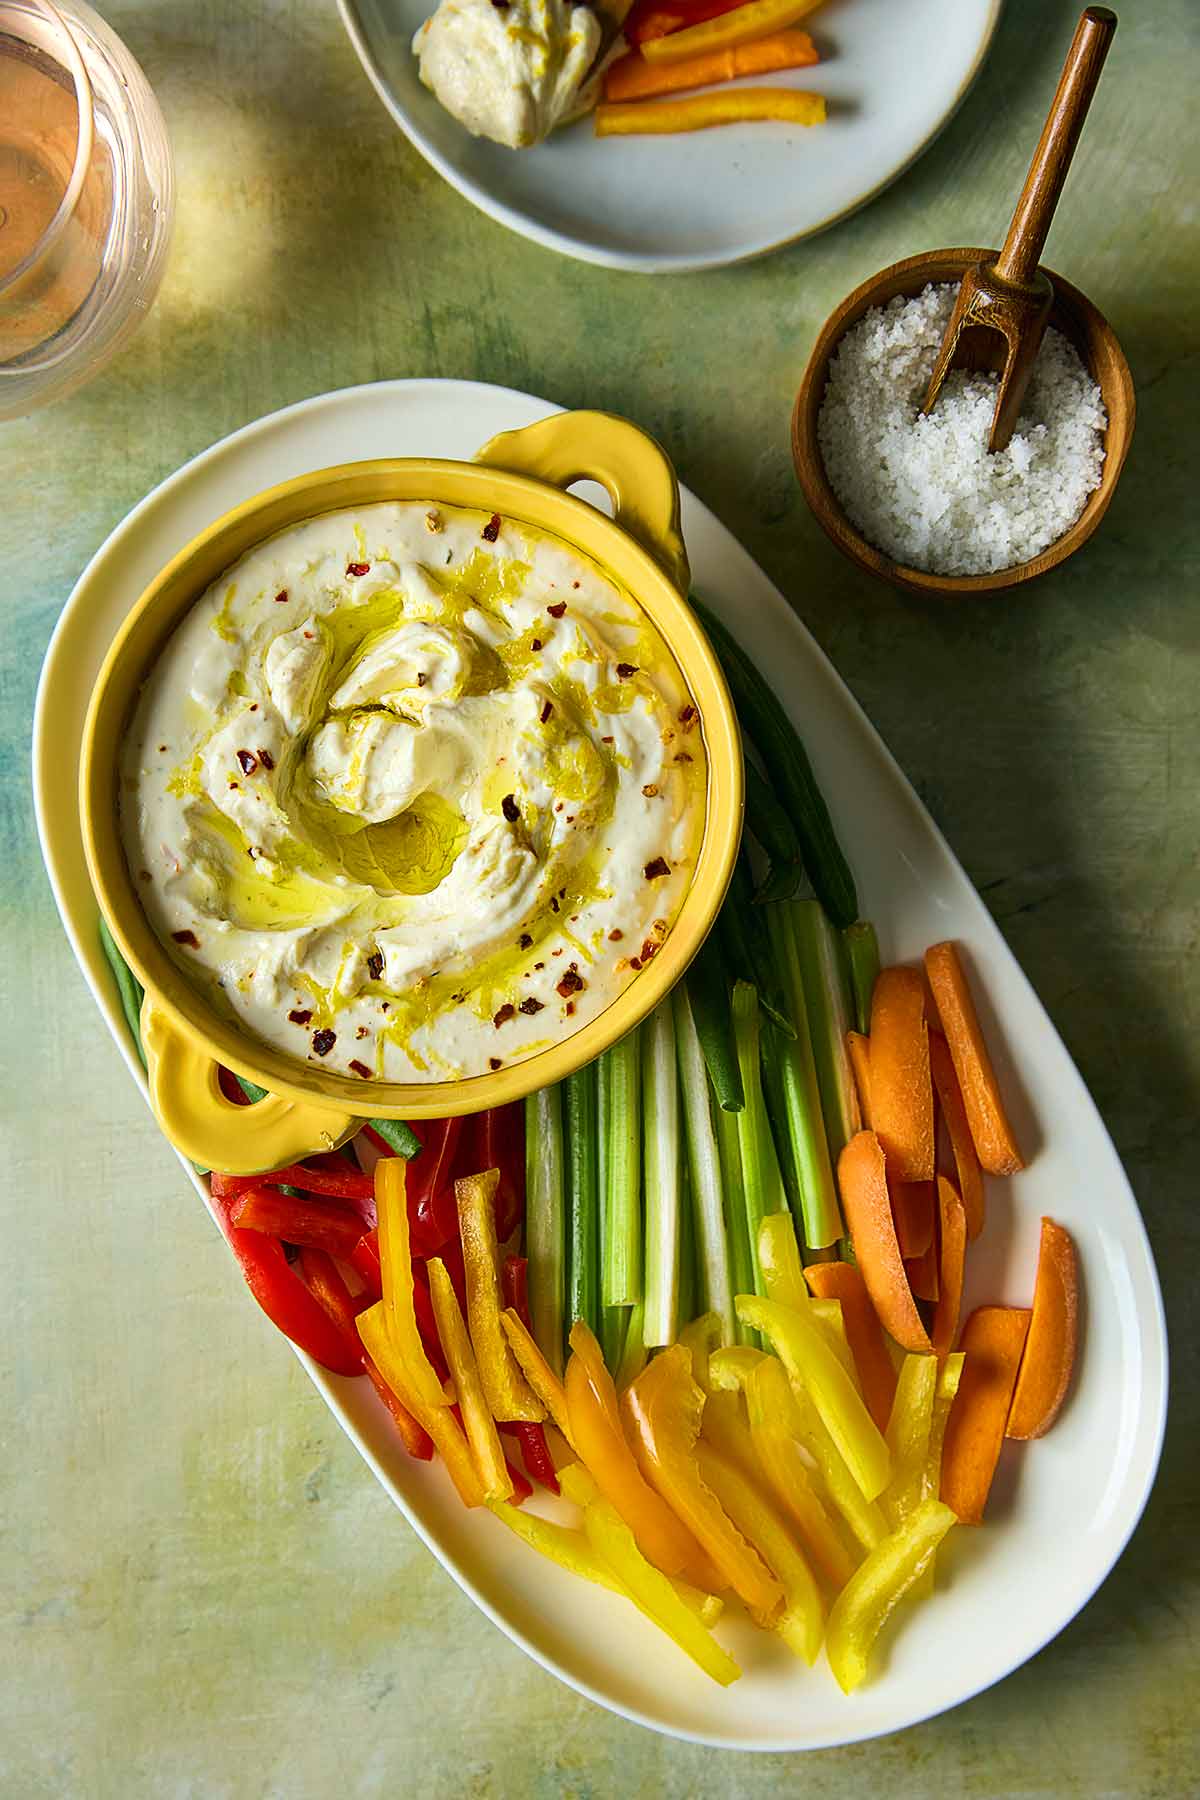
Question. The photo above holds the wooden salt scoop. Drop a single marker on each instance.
(1002, 307)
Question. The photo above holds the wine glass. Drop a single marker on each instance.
(86, 198)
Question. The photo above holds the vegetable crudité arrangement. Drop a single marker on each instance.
(708, 1290)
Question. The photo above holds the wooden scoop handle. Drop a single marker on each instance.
(1035, 209)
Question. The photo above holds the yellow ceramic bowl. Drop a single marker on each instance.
(522, 475)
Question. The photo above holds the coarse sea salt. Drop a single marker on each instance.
(923, 488)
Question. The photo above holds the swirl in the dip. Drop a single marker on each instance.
(418, 791)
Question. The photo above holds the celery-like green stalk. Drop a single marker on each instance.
(862, 954)
(712, 1248)
(660, 1118)
(827, 1002)
(761, 1181)
(545, 1221)
(802, 1096)
(620, 1138)
(741, 1267)
(583, 1207)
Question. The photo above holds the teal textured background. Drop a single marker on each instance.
(203, 1592)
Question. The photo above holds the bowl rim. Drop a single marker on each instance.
(586, 531)
(1073, 309)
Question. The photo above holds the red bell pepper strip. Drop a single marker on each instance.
(514, 1285)
(496, 1140)
(364, 1258)
(530, 1435)
(427, 1322)
(452, 1256)
(659, 18)
(285, 1299)
(344, 1183)
(324, 1282)
(317, 1224)
(414, 1437)
(432, 1214)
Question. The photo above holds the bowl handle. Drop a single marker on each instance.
(215, 1132)
(599, 446)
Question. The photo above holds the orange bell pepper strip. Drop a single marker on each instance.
(599, 1439)
(395, 1270)
(612, 1540)
(876, 1374)
(859, 1049)
(662, 1410)
(508, 1393)
(862, 1179)
(802, 1620)
(813, 1366)
(966, 1162)
(438, 1421)
(870, 1596)
(991, 1132)
(536, 1370)
(1049, 1356)
(633, 78)
(992, 1342)
(901, 1084)
(952, 1251)
(758, 19)
(736, 106)
(477, 1418)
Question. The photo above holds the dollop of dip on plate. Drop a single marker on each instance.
(413, 791)
(509, 70)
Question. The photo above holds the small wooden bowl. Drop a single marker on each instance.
(1073, 314)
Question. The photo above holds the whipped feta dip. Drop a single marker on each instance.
(509, 70)
(413, 791)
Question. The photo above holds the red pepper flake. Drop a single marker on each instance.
(524, 942)
(540, 965)
(375, 965)
(301, 1016)
(248, 761)
(574, 584)
(683, 757)
(254, 706)
(536, 644)
(606, 740)
(494, 1062)
(422, 678)
(650, 949)
(572, 982)
(491, 530)
(626, 670)
(687, 715)
(615, 935)
(569, 1008)
(510, 809)
(650, 790)
(361, 1032)
(530, 1006)
(557, 608)
(358, 568)
(281, 597)
(654, 871)
(360, 1068)
(266, 759)
(634, 963)
(502, 1017)
(547, 709)
(553, 905)
(187, 938)
(323, 1041)
(161, 749)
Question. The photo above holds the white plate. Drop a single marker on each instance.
(893, 75)
(1063, 1508)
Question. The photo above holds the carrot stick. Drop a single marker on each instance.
(901, 1085)
(633, 78)
(658, 116)
(862, 1178)
(876, 1373)
(759, 19)
(994, 1142)
(859, 1048)
(993, 1339)
(952, 1252)
(922, 1272)
(913, 1207)
(970, 1176)
(1049, 1357)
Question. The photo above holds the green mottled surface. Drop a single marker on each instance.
(202, 1590)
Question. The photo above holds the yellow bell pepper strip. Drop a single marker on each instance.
(802, 1620)
(508, 1393)
(478, 1422)
(561, 1544)
(438, 1421)
(639, 118)
(865, 1603)
(876, 1377)
(828, 1315)
(581, 1490)
(611, 1539)
(812, 1365)
(702, 1337)
(662, 1411)
(779, 1462)
(396, 1276)
(949, 1376)
(599, 1438)
(536, 1369)
(759, 19)
(779, 1259)
(908, 1437)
